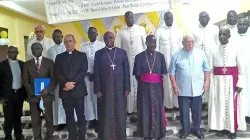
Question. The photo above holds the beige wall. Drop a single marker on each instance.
(20, 26)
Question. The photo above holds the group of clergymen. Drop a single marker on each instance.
(128, 73)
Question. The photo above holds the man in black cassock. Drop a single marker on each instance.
(149, 68)
(112, 85)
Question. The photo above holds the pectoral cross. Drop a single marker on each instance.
(113, 66)
(202, 45)
(224, 70)
(150, 72)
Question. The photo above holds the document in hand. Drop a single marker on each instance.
(40, 84)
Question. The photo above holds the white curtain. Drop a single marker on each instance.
(85, 26)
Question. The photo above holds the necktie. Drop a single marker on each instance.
(37, 72)
(37, 66)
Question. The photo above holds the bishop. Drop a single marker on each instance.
(226, 110)
(112, 87)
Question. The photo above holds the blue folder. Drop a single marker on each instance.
(40, 84)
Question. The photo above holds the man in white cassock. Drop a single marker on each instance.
(242, 39)
(132, 39)
(226, 110)
(232, 20)
(90, 49)
(169, 40)
(206, 38)
(46, 42)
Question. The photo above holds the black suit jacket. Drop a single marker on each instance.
(46, 71)
(7, 79)
(72, 70)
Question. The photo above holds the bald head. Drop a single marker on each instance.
(109, 39)
(39, 31)
(168, 18)
(232, 17)
(242, 25)
(224, 35)
(204, 18)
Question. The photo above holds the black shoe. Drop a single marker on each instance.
(184, 135)
(60, 127)
(8, 137)
(19, 137)
(199, 134)
(222, 133)
(232, 135)
(92, 124)
(248, 120)
(133, 119)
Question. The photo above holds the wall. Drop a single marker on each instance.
(20, 26)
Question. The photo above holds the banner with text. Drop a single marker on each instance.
(59, 11)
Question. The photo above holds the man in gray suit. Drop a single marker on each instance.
(39, 67)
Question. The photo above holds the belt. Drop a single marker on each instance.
(15, 90)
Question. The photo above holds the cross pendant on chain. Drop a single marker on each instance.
(202, 45)
(113, 66)
(224, 70)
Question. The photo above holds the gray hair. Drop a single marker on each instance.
(39, 25)
(189, 35)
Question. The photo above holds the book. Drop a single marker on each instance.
(40, 84)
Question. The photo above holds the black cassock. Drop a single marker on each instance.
(150, 95)
(112, 84)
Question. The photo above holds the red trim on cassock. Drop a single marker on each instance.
(155, 78)
(233, 71)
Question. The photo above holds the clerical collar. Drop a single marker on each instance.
(150, 53)
(12, 61)
(71, 52)
(224, 46)
(110, 48)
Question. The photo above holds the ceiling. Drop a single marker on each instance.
(32, 8)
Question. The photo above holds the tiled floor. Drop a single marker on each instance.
(172, 129)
